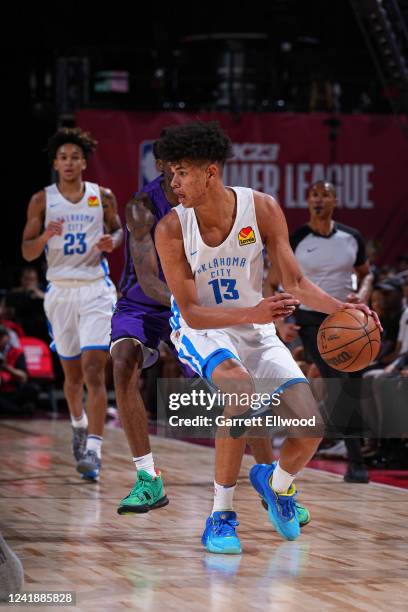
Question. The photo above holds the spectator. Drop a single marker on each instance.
(15, 391)
(30, 284)
(387, 302)
(26, 301)
(405, 292)
(392, 359)
(402, 263)
(15, 330)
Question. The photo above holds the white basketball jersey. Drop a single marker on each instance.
(228, 275)
(72, 256)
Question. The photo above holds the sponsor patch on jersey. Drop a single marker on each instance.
(93, 201)
(246, 236)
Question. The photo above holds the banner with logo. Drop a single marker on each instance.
(280, 154)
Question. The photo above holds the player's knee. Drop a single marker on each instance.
(234, 380)
(127, 359)
(241, 389)
(125, 370)
(94, 374)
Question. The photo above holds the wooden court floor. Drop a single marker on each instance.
(353, 556)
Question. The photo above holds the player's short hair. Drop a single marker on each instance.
(195, 141)
(326, 185)
(71, 136)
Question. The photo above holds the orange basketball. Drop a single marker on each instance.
(348, 340)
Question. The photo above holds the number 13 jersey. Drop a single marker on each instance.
(73, 256)
(230, 274)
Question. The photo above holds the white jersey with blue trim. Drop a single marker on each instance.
(73, 256)
(228, 275)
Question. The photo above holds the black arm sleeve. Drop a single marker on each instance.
(361, 256)
(298, 235)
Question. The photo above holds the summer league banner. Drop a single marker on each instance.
(333, 408)
(280, 154)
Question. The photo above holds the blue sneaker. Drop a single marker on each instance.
(281, 506)
(219, 534)
(302, 512)
(89, 466)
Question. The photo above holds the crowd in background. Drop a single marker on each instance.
(22, 316)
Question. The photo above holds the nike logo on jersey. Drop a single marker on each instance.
(193, 253)
(54, 205)
(310, 250)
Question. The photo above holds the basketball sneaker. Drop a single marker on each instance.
(281, 506)
(89, 466)
(219, 534)
(147, 494)
(79, 437)
(302, 513)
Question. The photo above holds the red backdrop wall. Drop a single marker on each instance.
(280, 154)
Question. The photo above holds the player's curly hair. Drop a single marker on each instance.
(71, 136)
(195, 141)
(156, 149)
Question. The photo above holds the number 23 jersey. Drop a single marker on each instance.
(73, 256)
(230, 274)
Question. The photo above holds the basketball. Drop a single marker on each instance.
(349, 340)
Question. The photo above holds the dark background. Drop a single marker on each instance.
(173, 58)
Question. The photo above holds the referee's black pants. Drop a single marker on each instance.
(343, 404)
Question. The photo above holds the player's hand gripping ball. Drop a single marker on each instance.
(349, 340)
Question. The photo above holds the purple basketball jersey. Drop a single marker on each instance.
(132, 293)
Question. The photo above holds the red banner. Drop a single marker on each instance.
(280, 154)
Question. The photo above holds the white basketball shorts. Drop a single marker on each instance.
(79, 315)
(257, 347)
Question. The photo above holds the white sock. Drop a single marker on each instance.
(81, 421)
(223, 497)
(146, 463)
(94, 443)
(281, 480)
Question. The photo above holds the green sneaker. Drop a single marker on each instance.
(147, 494)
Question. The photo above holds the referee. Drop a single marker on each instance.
(329, 254)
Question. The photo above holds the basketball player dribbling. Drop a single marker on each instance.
(140, 322)
(210, 248)
(75, 223)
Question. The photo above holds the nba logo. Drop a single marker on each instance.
(147, 164)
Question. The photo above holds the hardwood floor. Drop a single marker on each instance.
(353, 555)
